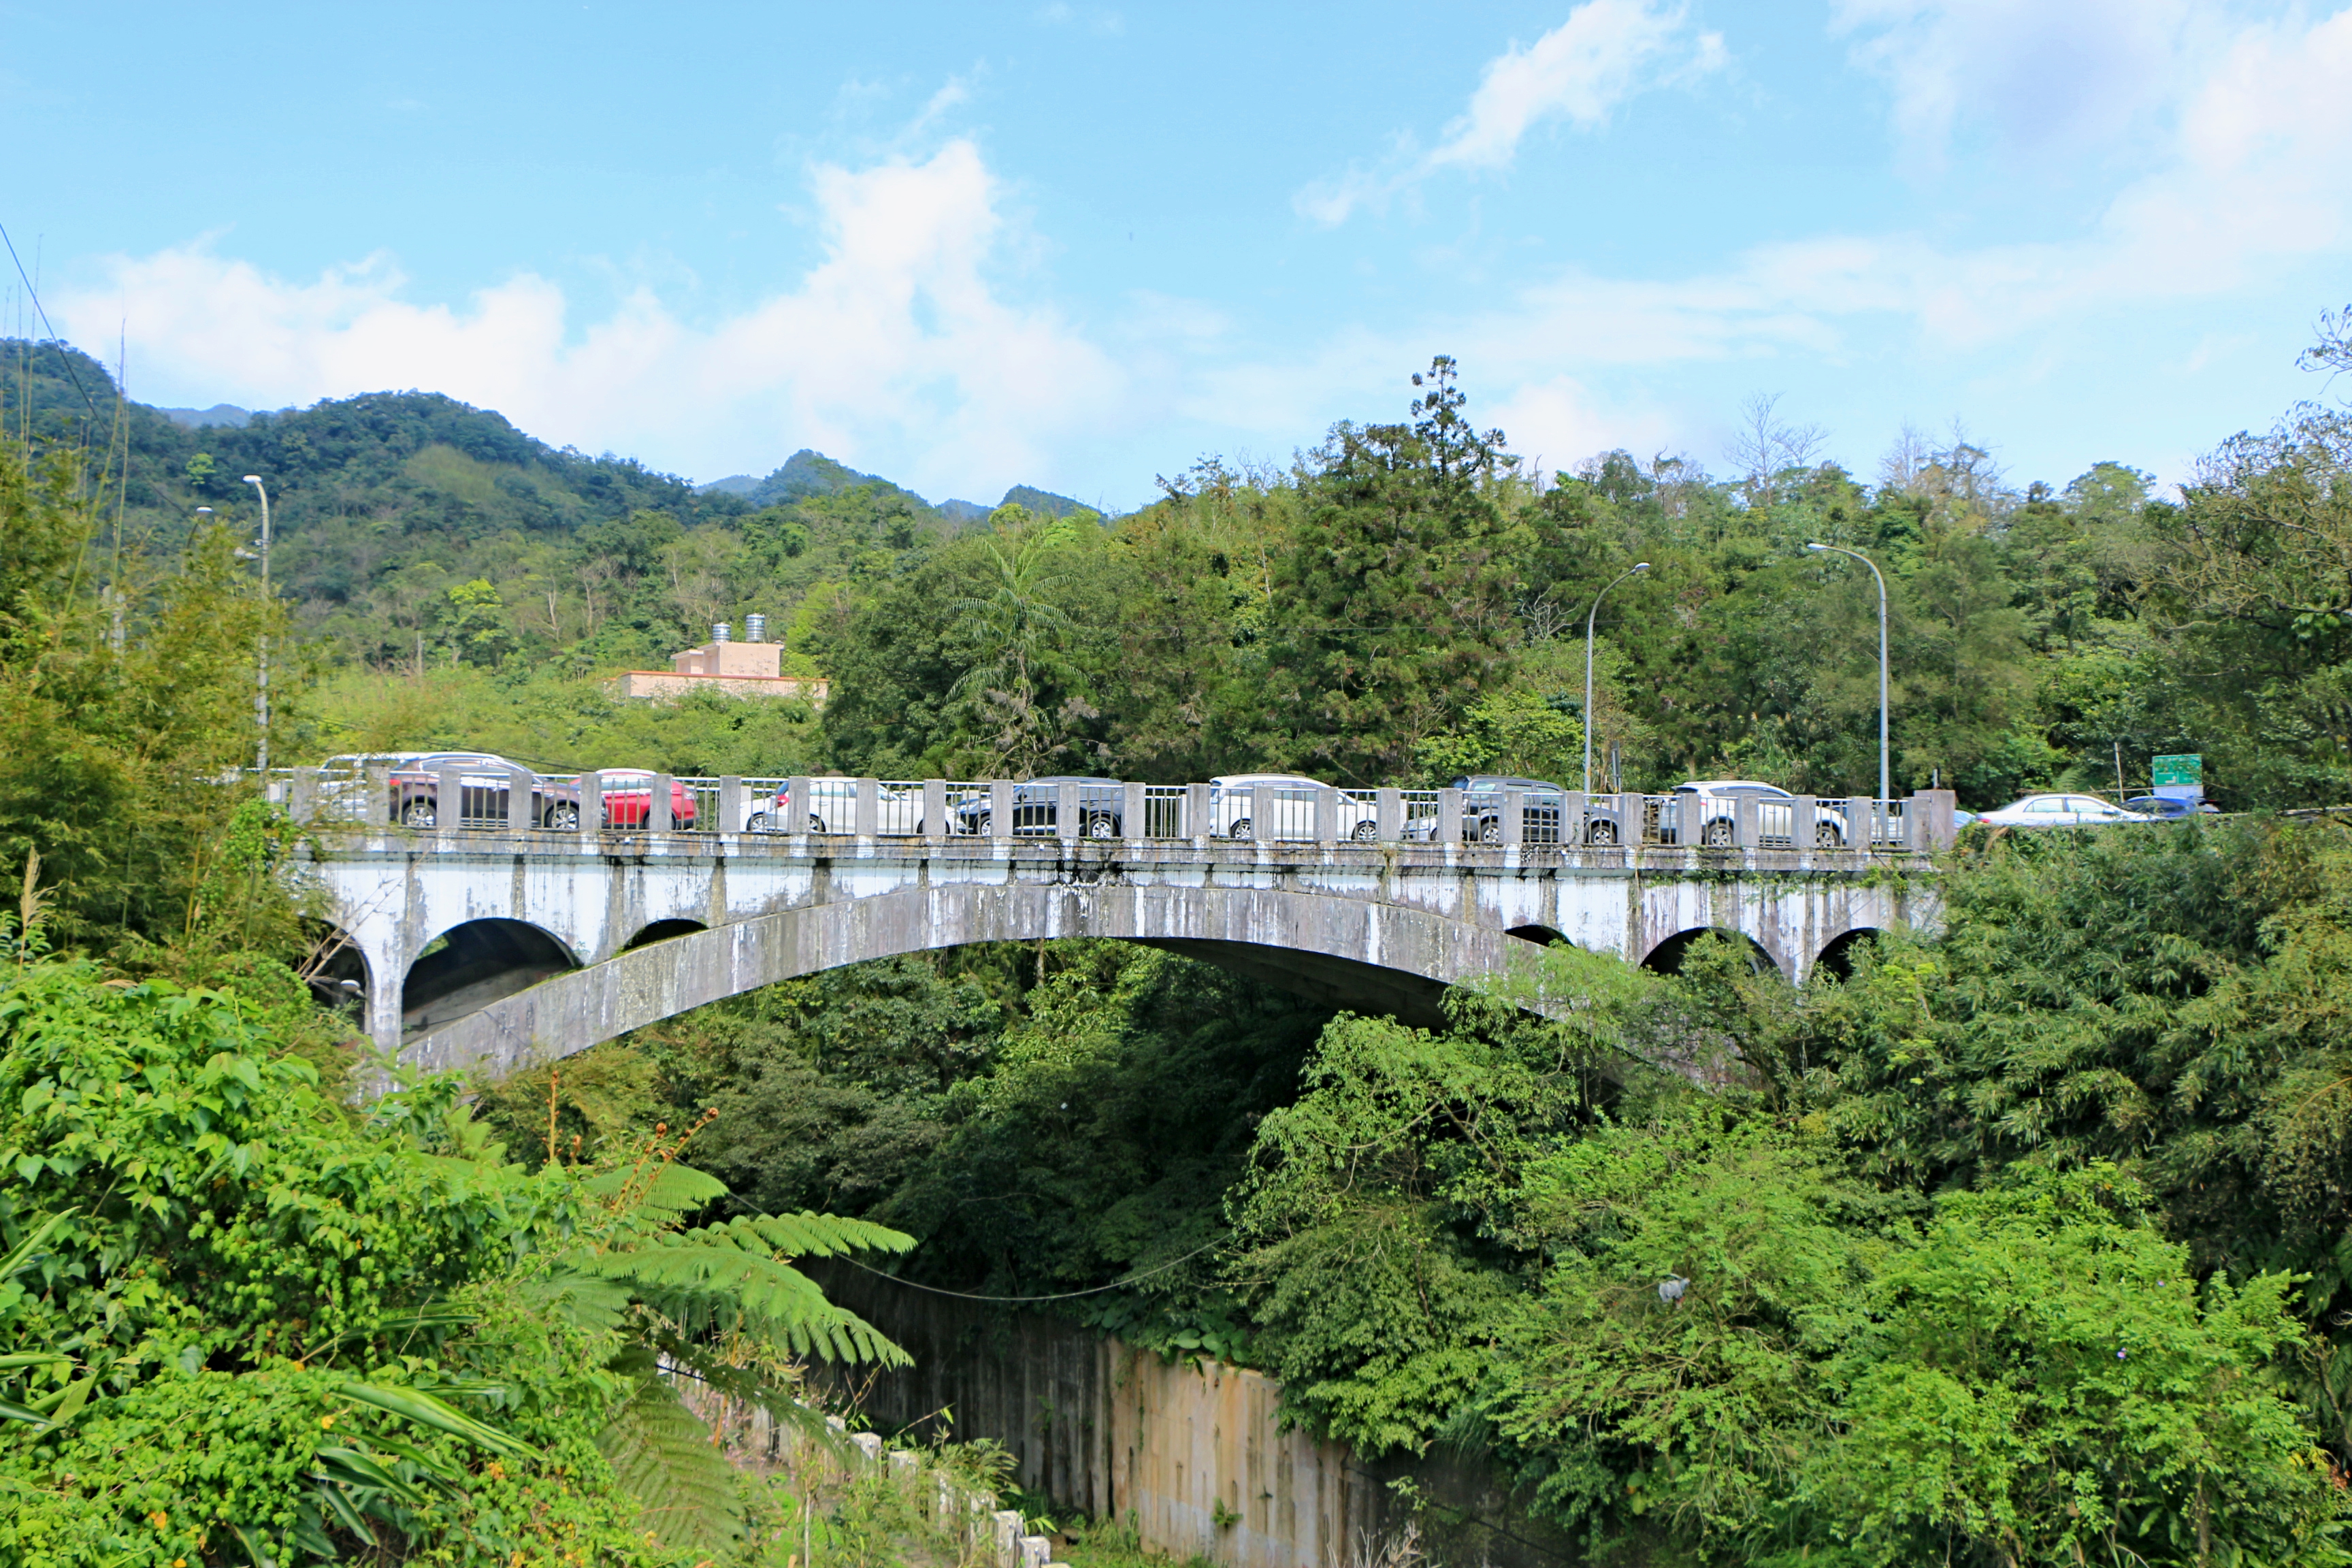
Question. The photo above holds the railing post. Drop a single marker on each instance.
(1262, 805)
(935, 808)
(1940, 834)
(1388, 810)
(868, 820)
(1515, 818)
(1858, 825)
(1196, 811)
(1572, 828)
(730, 805)
(301, 793)
(1743, 821)
(1449, 817)
(1069, 813)
(448, 799)
(1632, 819)
(1803, 823)
(1133, 801)
(375, 795)
(802, 808)
(1000, 808)
(657, 813)
(1327, 814)
(521, 796)
(592, 803)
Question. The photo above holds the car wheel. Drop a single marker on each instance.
(1100, 826)
(756, 823)
(1366, 833)
(1490, 831)
(417, 814)
(561, 817)
(816, 823)
(1717, 834)
(1827, 837)
(1240, 829)
(1603, 833)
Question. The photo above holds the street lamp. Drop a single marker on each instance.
(1866, 560)
(1638, 566)
(261, 678)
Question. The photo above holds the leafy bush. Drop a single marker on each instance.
(235, 1325)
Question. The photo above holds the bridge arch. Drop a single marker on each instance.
(1665, 956)
(1837, 956)
(663, 930)
(475, 964)
(1346, 952)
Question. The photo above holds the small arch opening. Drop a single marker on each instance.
(663, 930)
(335, 969)
(1838, 957)
(1666, 958)
(1542, 936)
(469, 966)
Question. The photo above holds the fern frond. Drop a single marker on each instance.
(807, 1234)
(664, 1457)
(699, 1281)
(667, 1191)
(582, 1299)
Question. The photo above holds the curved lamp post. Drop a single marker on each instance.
(1638, 566)
(261, 678)
(1866, 560)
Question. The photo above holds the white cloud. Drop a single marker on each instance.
(897, 350)
(2084, 76)
(1605, 53)
(1580, 72)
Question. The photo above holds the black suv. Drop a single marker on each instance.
(1036, 808)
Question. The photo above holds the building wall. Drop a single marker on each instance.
(670, 684)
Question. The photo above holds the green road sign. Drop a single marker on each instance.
(2188, 770)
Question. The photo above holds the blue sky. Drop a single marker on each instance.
(1079, 246)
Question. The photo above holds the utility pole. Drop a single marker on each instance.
(261, 677)
(1883, 786)
(1638, 566)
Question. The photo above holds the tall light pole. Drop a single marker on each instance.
(1637, 566)
(1866, 560)
(261, 678)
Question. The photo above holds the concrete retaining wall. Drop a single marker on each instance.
(1192, 1452)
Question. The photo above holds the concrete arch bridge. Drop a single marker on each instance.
(492, 939)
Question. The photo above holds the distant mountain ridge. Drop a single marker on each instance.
(227, 414)
(809, 472)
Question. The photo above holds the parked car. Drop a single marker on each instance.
(629, 799)
(486, 778)
(2059, 811)
(832, 807)
(1037, 809)
(1287, 803)
(1705, 811)
(2166, 807)
(344, 790)
(1482, 810)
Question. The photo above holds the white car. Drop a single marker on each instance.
(832, 807)
(1287, 803)
(1705, 813)
(2059, 811)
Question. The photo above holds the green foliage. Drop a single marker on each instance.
(235, 1323)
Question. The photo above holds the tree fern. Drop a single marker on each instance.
(668, 1460)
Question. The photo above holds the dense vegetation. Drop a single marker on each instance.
(2018, 1243)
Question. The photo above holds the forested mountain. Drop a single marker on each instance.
(1401, 603)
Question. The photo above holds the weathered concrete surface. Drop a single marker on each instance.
(1194, 1450)
(1376, 927)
